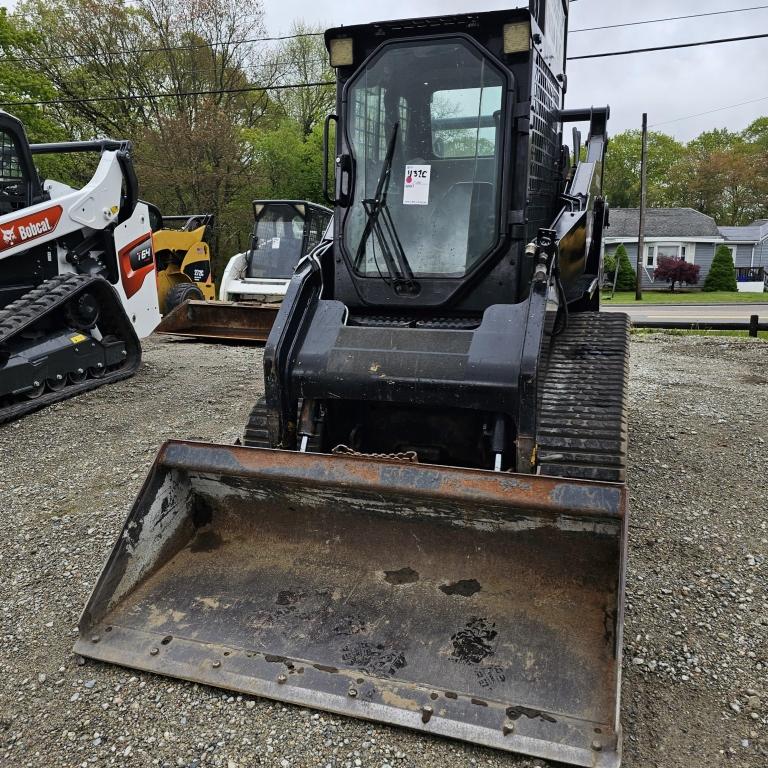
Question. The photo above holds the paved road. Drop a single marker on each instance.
(722, 313)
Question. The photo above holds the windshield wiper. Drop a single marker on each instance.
(380, 223)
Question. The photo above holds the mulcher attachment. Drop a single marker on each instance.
(67, 336)
(480, 605)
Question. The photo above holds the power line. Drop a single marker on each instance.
(160, 49)
(667, 47)
(709, 111)
(171, 94)
(133, 97)
(669, 18)
(191, 73)
(198, 46)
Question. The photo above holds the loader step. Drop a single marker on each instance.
(582, 424)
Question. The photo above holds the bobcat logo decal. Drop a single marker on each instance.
(9, 236)
(30, 227)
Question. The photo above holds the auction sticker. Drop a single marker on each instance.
(416, 186)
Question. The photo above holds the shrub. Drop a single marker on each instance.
(627, 278)
(675, 270)
(721, 276)
(609, 264)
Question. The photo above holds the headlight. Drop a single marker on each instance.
(517, 37)
(342, 52)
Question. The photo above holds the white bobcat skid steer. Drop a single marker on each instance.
(255, 282)
(77, 274)
(284, 231)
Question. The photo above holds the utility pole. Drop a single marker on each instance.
(641, 233)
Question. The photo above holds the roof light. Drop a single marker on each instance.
(342, 54)
(517, 37)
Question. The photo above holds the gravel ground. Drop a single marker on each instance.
(695, 688)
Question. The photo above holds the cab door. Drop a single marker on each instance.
(19, 183)
(19, 188)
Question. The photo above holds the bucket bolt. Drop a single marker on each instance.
(154, 651)
(282, 679)
(352, 692)
(216, 664)
(597, 745)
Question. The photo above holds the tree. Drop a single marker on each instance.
(721, 173)
(675, 270)
(189, 151)
(286, 163)
(622, 169)
(724, 175)
(626, 279)
(21, 82)
(303, 59)
(721, 276)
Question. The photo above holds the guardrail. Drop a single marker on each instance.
(752, 327)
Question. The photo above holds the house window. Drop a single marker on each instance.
(654, 251)
(732, 249)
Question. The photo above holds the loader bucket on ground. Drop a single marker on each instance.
(477, 605)
(222, 320)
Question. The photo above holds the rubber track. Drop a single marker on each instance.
(257, 434)
(582, 421)
(49, 297)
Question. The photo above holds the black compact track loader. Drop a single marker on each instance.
(428, 524)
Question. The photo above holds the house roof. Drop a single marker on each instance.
(752, 233)
(675, 223)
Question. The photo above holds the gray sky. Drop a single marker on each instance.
(666, 85)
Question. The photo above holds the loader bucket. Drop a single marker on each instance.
(477, 605)
(220, 320)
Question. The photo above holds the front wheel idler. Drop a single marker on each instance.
(83, 311)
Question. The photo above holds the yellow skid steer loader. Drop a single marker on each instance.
(183, 258)
(427, 524)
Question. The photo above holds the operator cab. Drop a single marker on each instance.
(434, 195)
(19, 182)
(283, 232)
(424, 119)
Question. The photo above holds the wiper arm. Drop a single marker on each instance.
(380, 223)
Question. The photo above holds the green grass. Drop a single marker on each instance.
(680, 332)
(686, 297)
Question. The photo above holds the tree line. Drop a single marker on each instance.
(721, 173)
(207, 153)
(215, 152)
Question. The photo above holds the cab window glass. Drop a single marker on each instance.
(464, 122)
(13, 186)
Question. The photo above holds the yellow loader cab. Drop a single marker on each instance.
(183, 257)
